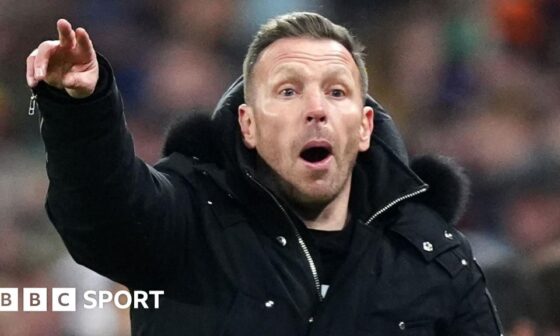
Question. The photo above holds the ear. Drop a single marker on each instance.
(246, 120)
(366, 128)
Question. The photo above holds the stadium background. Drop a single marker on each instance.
(478, 80)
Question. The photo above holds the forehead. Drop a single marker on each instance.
(307, 51)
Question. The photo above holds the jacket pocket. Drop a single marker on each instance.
(244, 316)
(384, 327)
(417, 328)
(251, 316)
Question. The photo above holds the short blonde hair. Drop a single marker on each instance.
(302, 24)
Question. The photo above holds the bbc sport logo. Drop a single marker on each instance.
(65, 299)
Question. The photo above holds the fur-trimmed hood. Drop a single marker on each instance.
(216, 139)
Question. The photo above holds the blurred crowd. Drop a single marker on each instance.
(477, 80)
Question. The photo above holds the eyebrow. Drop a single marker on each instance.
(339, 71)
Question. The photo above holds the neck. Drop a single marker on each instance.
(328, 216)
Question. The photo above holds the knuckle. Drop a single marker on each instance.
(47, 45)
(43, 45)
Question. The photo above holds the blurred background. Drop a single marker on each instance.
(475, 80)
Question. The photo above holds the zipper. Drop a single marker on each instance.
(394, 202)
(32, 104)
(299, 238)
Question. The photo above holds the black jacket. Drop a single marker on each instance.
(230, 256)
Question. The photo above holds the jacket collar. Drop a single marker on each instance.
(216, 139)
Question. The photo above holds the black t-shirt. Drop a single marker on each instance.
(333, 247)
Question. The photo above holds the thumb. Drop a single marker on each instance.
(81, 84)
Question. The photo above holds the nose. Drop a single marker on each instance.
(315, 111)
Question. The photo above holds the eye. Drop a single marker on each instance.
(288, 92)
(338, 93)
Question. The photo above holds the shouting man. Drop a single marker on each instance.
(292, 210)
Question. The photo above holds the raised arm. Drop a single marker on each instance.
(116, 214)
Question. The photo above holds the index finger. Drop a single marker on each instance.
(66, 35)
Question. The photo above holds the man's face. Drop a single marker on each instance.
(306, 117)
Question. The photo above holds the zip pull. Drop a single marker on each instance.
(32, 104)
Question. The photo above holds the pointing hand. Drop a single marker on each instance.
(68, 63)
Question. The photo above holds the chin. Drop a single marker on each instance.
(314, 196)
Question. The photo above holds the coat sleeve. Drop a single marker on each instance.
(115, 214)
(476, 313)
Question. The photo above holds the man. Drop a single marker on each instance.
(282, 214)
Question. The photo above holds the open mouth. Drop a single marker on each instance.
(314, 153)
